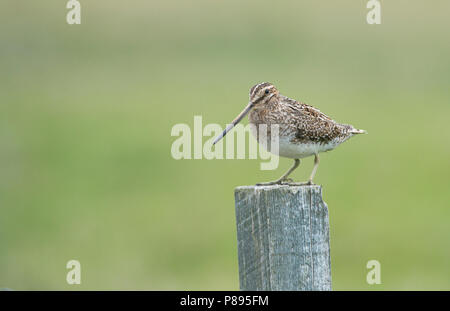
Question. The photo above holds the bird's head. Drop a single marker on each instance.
(260, 95)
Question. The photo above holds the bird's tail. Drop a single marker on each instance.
(356, 131)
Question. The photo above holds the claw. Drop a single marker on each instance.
(277, 182)
(306, 183)
(287, 181)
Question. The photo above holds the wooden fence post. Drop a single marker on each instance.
(283, 238)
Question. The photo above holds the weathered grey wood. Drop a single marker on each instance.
(283, 238)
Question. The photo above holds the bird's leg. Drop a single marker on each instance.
(313, 173)
(316, 165)
(284, 177)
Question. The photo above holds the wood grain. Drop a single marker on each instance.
(283, 238)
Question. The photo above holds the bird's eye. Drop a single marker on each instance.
(266, 92)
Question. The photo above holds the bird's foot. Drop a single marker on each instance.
(286, 181)
(306, 183)
(283, 181)
(276, 182)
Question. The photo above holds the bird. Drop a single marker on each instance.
(304, 131)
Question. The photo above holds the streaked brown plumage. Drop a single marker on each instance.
(303, 130)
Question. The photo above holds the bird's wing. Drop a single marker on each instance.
(313, 126)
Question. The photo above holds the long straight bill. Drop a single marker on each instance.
(234, 122)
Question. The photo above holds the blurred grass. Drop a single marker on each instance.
(86, 113)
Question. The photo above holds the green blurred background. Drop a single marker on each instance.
(86, 113)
